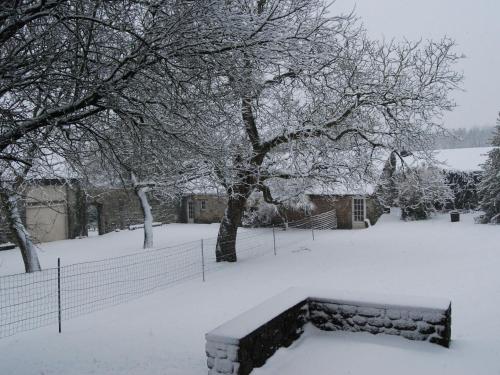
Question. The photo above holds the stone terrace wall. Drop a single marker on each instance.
(242, 356)
(232, 349)
(411, 323)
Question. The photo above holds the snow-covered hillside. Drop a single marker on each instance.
(163, 333)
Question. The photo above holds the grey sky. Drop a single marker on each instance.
(475, 26)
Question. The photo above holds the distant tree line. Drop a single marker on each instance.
(464, 138)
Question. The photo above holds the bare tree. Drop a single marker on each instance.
(66, 65)
(314, 98)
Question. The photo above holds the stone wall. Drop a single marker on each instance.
(120, 208)
(411, 323)
(242, 356)
(239, 350)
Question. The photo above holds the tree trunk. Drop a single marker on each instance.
(226, 240)
(10, 207)
(140, 191)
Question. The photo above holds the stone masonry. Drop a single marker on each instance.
(239, 354)
(411, 323)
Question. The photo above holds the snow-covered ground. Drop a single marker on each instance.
(163, 333)
(109, 245)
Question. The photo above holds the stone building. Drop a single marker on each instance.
(202, 208)
(352, 210)
(51, 210)
(55, 210)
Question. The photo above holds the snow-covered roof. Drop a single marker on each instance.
(345, 188)
(462, 159)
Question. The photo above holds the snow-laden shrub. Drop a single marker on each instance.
(420, 190)
(464, 186)
(258, 212)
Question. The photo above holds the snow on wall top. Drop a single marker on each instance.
(462, 159)
(244, 324)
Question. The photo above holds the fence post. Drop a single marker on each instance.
(59, 292)
(312, 228)
(202, 262)
(274, 241)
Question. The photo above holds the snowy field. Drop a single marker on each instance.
(163, 333)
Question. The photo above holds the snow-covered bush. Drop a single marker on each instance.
(489, 187)
(258, 212)
(420, 190)
(464, 186)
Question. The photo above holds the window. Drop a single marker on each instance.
(203, 205)
(358, 209)
(190, 210)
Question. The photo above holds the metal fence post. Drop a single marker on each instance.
(59, 292)
(312, 228)
(202, 262)
(274, 241)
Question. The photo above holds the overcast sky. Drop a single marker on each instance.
(475, 26)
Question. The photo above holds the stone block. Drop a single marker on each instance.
(348, 310)
(426, 329)
(406, 325)
(369, 311)
(232, 352)
(416, 315)
(393, 314)
(359, 320)
(316, 306)
(211, 349)
(433, 317)
(221, 353)
(440, 329)
(210, 362)
(333, 309)
(370, 329)
(376, 322)
(220, 345)
(224, 366)
(405, 314)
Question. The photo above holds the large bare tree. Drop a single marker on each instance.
(314, 98)
(65, 66)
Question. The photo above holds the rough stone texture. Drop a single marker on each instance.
(253, 350)
(412, 323)
(211, 211)
(119, 208)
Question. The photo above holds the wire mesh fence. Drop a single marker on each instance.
(50, 296)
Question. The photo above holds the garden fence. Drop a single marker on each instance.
(53, 295)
